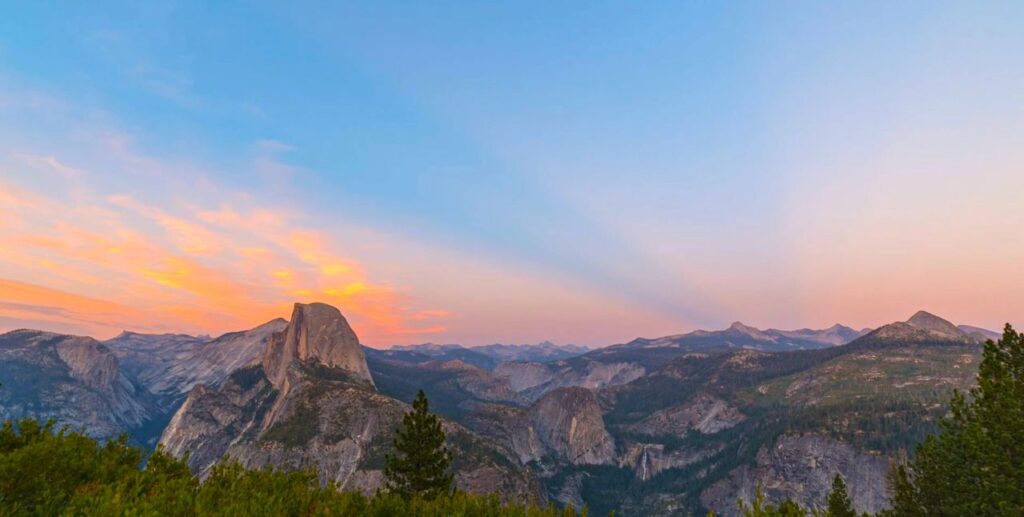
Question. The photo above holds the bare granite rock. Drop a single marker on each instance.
(565, 426)
(523, 376)
(316, 332)
(72, 379)
(320, 410)
(169, 365)
(703, 412)
(801, 468)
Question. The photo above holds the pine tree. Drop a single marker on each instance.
(421, 465)
(839, 504)
(902, 494)
(760, 508)
(975, 465)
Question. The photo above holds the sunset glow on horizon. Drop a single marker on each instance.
(481, 173)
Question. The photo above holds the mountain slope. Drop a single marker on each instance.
(565, 426)
(739, 335)
(416, 354)
(486, 356)
(311, 402)
(170, 364)
(149, 357)
(921, 328)
(621, 364)
(713, 423)
(76, 380)
(454, 387)
(545, 351)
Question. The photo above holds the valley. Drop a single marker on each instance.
(673, 425)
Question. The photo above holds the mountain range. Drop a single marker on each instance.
(671, 425)
(485, 356)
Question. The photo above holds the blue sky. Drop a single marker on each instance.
(678, 165)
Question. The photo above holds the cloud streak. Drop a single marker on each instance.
(113, 261)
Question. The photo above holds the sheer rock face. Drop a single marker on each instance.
(311, 403)
(316, 332)
(568, 421)
(75, 380)
(647, 460)
(801, 468)
(90, 362)
(328, 421)
(565, 425)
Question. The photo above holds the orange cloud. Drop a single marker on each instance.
(119, 262)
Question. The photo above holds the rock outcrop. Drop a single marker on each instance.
(169, 365)
(216, 359)
(523, 376)
(150, 359)
(90, 362)
(318, 408)
(936, 325)
(922, 327)
(319, 333)
(583, 373)
(801, 468)
(569, 423)
(703, 413)
(564, 426)
(75, 380)
(647, 460)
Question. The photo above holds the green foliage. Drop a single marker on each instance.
(903, 497)
(45, 471)
(759, 508)
(975, 465)
(422, 464)
(299, 428)
(839, 504)
(41, 467)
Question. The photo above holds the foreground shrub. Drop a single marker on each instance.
(46, 471)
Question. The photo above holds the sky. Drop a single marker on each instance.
(473, 172)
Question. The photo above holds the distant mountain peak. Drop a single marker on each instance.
(923, 327)
(924, 317)
(932, 323)
(748, 331)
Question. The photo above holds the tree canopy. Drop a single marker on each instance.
(839, 503)
(50, 471)
(975, 464)
(421, 464)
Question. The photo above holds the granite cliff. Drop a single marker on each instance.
(311, 402)
(73, 379)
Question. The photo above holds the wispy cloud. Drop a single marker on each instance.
(115, 260)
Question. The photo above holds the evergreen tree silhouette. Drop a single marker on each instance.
(839, 504)
(420, 465)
